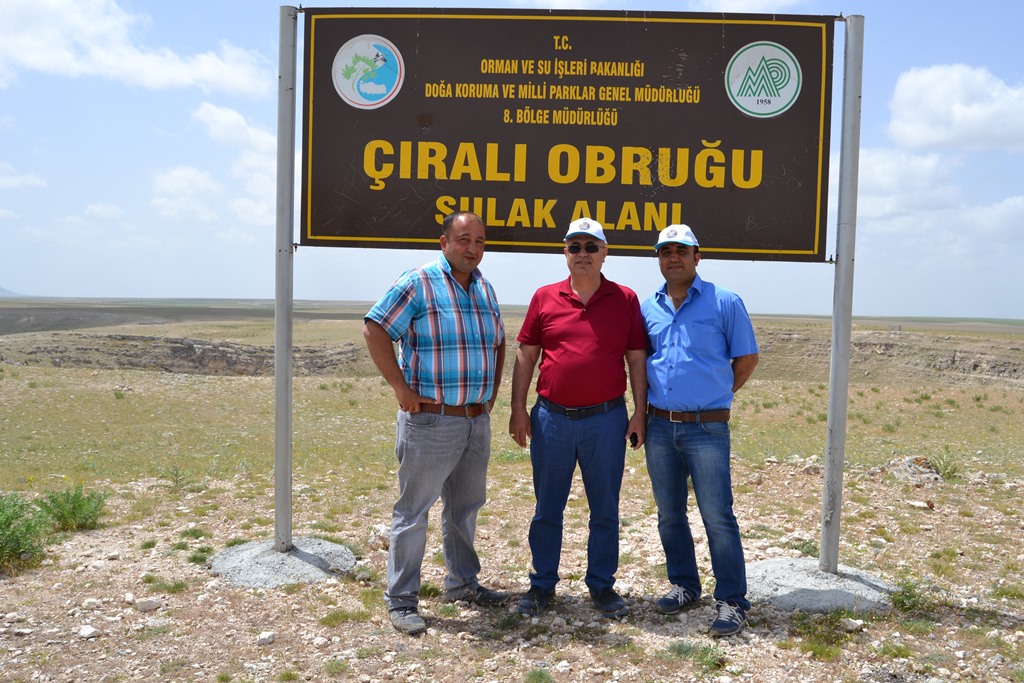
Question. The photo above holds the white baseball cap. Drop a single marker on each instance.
(585, 226)
(680, 234)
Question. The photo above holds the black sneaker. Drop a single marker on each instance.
(534, 601)
(730, 620)
(675, 600)
(479, 595)
(609, 602)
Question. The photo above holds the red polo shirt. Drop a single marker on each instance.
(582, 361)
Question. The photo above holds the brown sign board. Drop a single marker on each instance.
(535, 118)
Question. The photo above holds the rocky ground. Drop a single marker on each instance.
(105, 607)
(135, 600)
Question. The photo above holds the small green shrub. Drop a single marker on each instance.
(73, 510)
(157, 584)
(806, 547)
(911, 599)
(821, 635)
(176, 477)
(895, 650)
(1008, 590)
(337, 667)
(338, 617)
(23, 531)
(429, 590)
(946, 464)
(201, 555)
(709, 658)
(448, 611)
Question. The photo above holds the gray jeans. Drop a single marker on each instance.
(439, 456)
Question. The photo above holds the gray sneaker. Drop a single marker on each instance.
(675, 600)
(407, 620)
(479, 595)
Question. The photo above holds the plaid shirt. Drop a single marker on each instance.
(447, 337)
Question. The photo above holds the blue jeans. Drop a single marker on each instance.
(598, 444)
(439, 456)
(699, 451)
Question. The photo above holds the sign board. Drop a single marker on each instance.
(535, 118)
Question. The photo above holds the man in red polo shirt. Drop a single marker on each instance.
(580, 329)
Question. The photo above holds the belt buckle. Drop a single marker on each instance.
(574, 413)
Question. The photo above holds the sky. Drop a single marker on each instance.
(138, 160)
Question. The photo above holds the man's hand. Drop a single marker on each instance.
(519, 426)
(409, 400)
(637, 426)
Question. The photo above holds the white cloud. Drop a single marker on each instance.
(995, 227)
(228, 127)
(956, 106)
(104, 211)
(256, 163)
(236, 237)
(949, 242)
(895, 182)
(11, 179)
(75, 38)
(7, 214)
(184, 192)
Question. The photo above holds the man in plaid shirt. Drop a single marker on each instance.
(451, 342)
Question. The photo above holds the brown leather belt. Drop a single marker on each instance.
(720, 415)
(472, 410)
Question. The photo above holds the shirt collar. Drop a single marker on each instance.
(446, 268)
(565, 287)
(696, 287)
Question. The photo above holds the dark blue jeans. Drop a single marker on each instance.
(598, 444)
(699, 451)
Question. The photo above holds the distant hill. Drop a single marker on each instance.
(7, 294)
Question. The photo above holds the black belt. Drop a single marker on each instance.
(719, 415)
(471, 410)
(585, 411)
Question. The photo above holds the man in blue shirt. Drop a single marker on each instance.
(451, 341)
(702, 351)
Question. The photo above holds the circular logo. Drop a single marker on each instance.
(368, 71)
(763, 79)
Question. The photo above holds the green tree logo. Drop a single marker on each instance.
(368, 71)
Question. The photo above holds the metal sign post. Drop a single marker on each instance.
(842, 304)
(285, 282)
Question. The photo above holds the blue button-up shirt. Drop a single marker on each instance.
(689, 366)
(447, 337)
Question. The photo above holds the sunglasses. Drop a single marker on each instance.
(590, 247)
